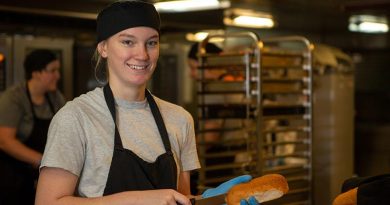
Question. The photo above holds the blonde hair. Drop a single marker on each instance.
(100, 67)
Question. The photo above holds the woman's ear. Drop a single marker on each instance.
(102, 49)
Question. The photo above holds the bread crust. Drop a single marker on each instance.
(347, 198)
(264, 188)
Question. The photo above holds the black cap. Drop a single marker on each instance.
(210, 48)
(122, 15)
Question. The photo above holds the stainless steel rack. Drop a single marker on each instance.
(256, 117)
(287, 114)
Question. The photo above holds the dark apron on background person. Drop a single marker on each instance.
(372, 190)
(128, 172)
(38, 136)
(17, 177)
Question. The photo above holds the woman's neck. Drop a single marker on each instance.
(131, 94)
(36, 91)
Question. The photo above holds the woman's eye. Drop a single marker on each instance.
(128, 42)
(152, 43)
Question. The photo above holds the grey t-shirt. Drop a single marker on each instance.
(15, 109)
(81, 137)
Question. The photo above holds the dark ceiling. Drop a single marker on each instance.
(290, 15)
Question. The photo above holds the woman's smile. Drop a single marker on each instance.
(137, 67)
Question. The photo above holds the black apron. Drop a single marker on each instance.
(17, 178)
(128, 172)
(372, 190)
(38, 136)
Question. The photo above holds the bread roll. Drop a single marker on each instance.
(264, 188)
(346, 198)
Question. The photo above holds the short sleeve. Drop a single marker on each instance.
(189, 155)
(65, 147)
(11, 109)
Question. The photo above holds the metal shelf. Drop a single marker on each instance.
(272, 106)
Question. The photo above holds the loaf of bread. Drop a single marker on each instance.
(347, 198)
(264, 188)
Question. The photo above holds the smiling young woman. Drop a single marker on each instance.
(123, 145)
(120, 144)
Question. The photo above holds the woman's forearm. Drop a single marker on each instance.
(16, 149)
(57, 186)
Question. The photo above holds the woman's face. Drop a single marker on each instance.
(132, 55)
(50, 75)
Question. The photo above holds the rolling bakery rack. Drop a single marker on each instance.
(255, 112)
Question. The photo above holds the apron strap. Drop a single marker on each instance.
(111, 106)
(159, 121)
(50, 103)
(32, 105)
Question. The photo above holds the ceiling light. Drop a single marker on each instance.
(248, 18)
(253, 21)
(197, 36)
(200, 36)
(191, 5)
(368, 24)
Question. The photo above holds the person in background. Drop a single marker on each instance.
(208, 74)
(120, 144)
(193, 63)
(26, 110)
